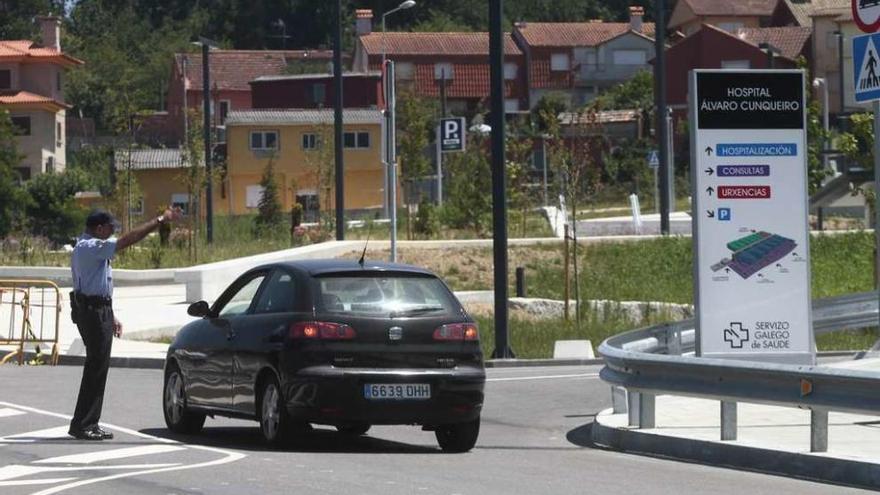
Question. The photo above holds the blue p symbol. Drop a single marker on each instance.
(724, 214)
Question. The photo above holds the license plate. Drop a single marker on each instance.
(397, 391)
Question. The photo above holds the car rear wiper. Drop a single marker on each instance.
(416, 311)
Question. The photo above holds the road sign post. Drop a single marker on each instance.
(450, 137)
(866, 14)
(751, 243)
(654, 164)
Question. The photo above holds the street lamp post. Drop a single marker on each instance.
(389, 131)
(206, 105)
(408, 4)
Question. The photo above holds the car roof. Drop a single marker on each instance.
(349, 266)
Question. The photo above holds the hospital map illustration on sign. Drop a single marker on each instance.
(754, 252)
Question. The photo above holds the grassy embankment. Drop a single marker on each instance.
(655, 270)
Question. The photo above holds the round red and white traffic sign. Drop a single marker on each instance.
(866, 13)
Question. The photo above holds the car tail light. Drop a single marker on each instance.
(457, 331)
(321, 330)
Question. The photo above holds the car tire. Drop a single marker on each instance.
(178, 417)
(275, 423)
(458, 437)
(353, 429)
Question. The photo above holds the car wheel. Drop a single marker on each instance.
(275, 423)
(353, 429)
(458, 437)
(178, 418)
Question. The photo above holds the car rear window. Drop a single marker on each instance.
(385, 295)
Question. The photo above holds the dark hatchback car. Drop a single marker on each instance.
(330, 342)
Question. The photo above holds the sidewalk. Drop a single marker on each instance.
(769, 438)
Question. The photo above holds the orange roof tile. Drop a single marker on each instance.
(26, 98)
(576, 33)
(791, 41)
(468, 81)
(757, 8)
(19, 50)
(234, 69)
(400, 43)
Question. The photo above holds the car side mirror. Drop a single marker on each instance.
(199, 309)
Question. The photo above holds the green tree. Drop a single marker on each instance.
(16, 18)
(269, 215)
(468, 202)
(10, 194)
(548, 108)
(50, 208)
(518, 151)
(415, 122)
(637, 93)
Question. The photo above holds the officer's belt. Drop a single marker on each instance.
(93, 300)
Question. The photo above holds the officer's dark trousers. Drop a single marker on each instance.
(95, 323)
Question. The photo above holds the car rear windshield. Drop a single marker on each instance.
(385, 294)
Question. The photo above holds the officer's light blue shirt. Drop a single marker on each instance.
(90, 264)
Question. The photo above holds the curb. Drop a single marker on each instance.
(806, 466)
(157, 363)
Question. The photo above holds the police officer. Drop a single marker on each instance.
(92, 311)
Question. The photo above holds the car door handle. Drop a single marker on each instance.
(231, 335)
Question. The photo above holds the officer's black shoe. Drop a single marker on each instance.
(85, 434)
(106, 435)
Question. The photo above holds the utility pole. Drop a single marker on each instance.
(337, 124)
(206, 105)
(660, 111)
(499, 195)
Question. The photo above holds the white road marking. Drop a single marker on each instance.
(7, 412)
(19, 470)
(109, 455)
(542, 377)
(55, 433)
(228, 456)
(44, 481)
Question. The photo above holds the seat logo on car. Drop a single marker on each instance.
(395, 333)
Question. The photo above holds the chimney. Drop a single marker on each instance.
(635, 18)
(50, 27)
(364, 23)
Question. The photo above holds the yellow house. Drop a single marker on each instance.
(158, 175)
(300, 145)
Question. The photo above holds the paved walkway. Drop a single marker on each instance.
(769, 438)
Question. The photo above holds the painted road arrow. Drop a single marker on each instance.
(710, 190)
(708, 150)
(710, 171)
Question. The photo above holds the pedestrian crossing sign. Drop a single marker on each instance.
(866, 67)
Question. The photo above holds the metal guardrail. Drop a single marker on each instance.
(649, 361)
(33, 309)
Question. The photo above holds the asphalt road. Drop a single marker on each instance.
(534, 440)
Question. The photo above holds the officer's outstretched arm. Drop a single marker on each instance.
(136, 234)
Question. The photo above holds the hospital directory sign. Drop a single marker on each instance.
(751, 237)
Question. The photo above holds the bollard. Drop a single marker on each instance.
(520, 281)
(728, 421)
(818, 430)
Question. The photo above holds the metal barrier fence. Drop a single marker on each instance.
(649, 361)
(32, 312)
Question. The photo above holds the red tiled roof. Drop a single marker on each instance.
(19, 50)
(398, 43)
(234, 69)
(576, 33)
(758, 8)
(26, 98)
(791, 41)
(468, 81)
(542, 77)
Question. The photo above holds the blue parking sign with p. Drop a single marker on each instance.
(724, 214)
